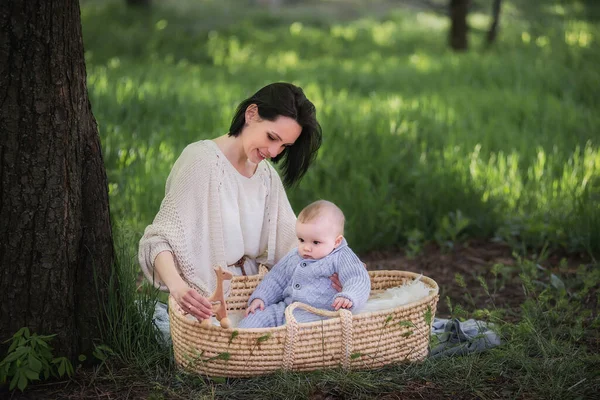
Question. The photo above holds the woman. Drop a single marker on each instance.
(224, 205)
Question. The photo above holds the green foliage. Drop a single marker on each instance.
(102, 352)
(221, 356)
(552, 302)
(450, 229)
(29, 359)
(234, 334)
(263, 338)
(407, 324)
(415, 243)
(428, 316)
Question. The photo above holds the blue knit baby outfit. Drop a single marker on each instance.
(296, 279)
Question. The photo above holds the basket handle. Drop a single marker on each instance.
(293, 329)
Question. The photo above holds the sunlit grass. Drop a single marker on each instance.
(413, 132)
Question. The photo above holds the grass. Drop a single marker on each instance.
(129, 331)
(413, 132)
(551, 351)
(420, 144)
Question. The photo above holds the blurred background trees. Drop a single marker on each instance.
(458, 25)
(493, 31)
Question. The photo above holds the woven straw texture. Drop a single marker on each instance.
(360, 341)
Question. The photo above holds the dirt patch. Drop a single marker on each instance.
(473, 260)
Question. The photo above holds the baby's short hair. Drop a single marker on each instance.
(322, 208)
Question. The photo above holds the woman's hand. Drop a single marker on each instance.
(193, 303)
(256, 303)
(335, 282)
(188, 299)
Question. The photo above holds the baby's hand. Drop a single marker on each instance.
(341, 302)
(256, 303)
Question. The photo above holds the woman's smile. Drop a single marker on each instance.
(261, 155)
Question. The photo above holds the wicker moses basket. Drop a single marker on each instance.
(359, 341)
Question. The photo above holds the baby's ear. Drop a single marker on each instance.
(338, 240)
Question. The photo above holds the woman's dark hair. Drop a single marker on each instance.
(287, 100)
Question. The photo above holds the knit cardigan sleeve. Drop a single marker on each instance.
(272, 288)
(188, 222)
(356, 284)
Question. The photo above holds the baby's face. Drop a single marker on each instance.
(317, 238)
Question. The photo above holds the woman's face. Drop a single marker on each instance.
(262, 138)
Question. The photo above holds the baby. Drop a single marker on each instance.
(303, 274)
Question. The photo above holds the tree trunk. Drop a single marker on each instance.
(493, 32)
(459, 27)
(55, 234)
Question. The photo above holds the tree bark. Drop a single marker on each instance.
(459, 27)
(493, 32)
(55, 234)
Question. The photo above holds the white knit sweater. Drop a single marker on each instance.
(191, 217)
